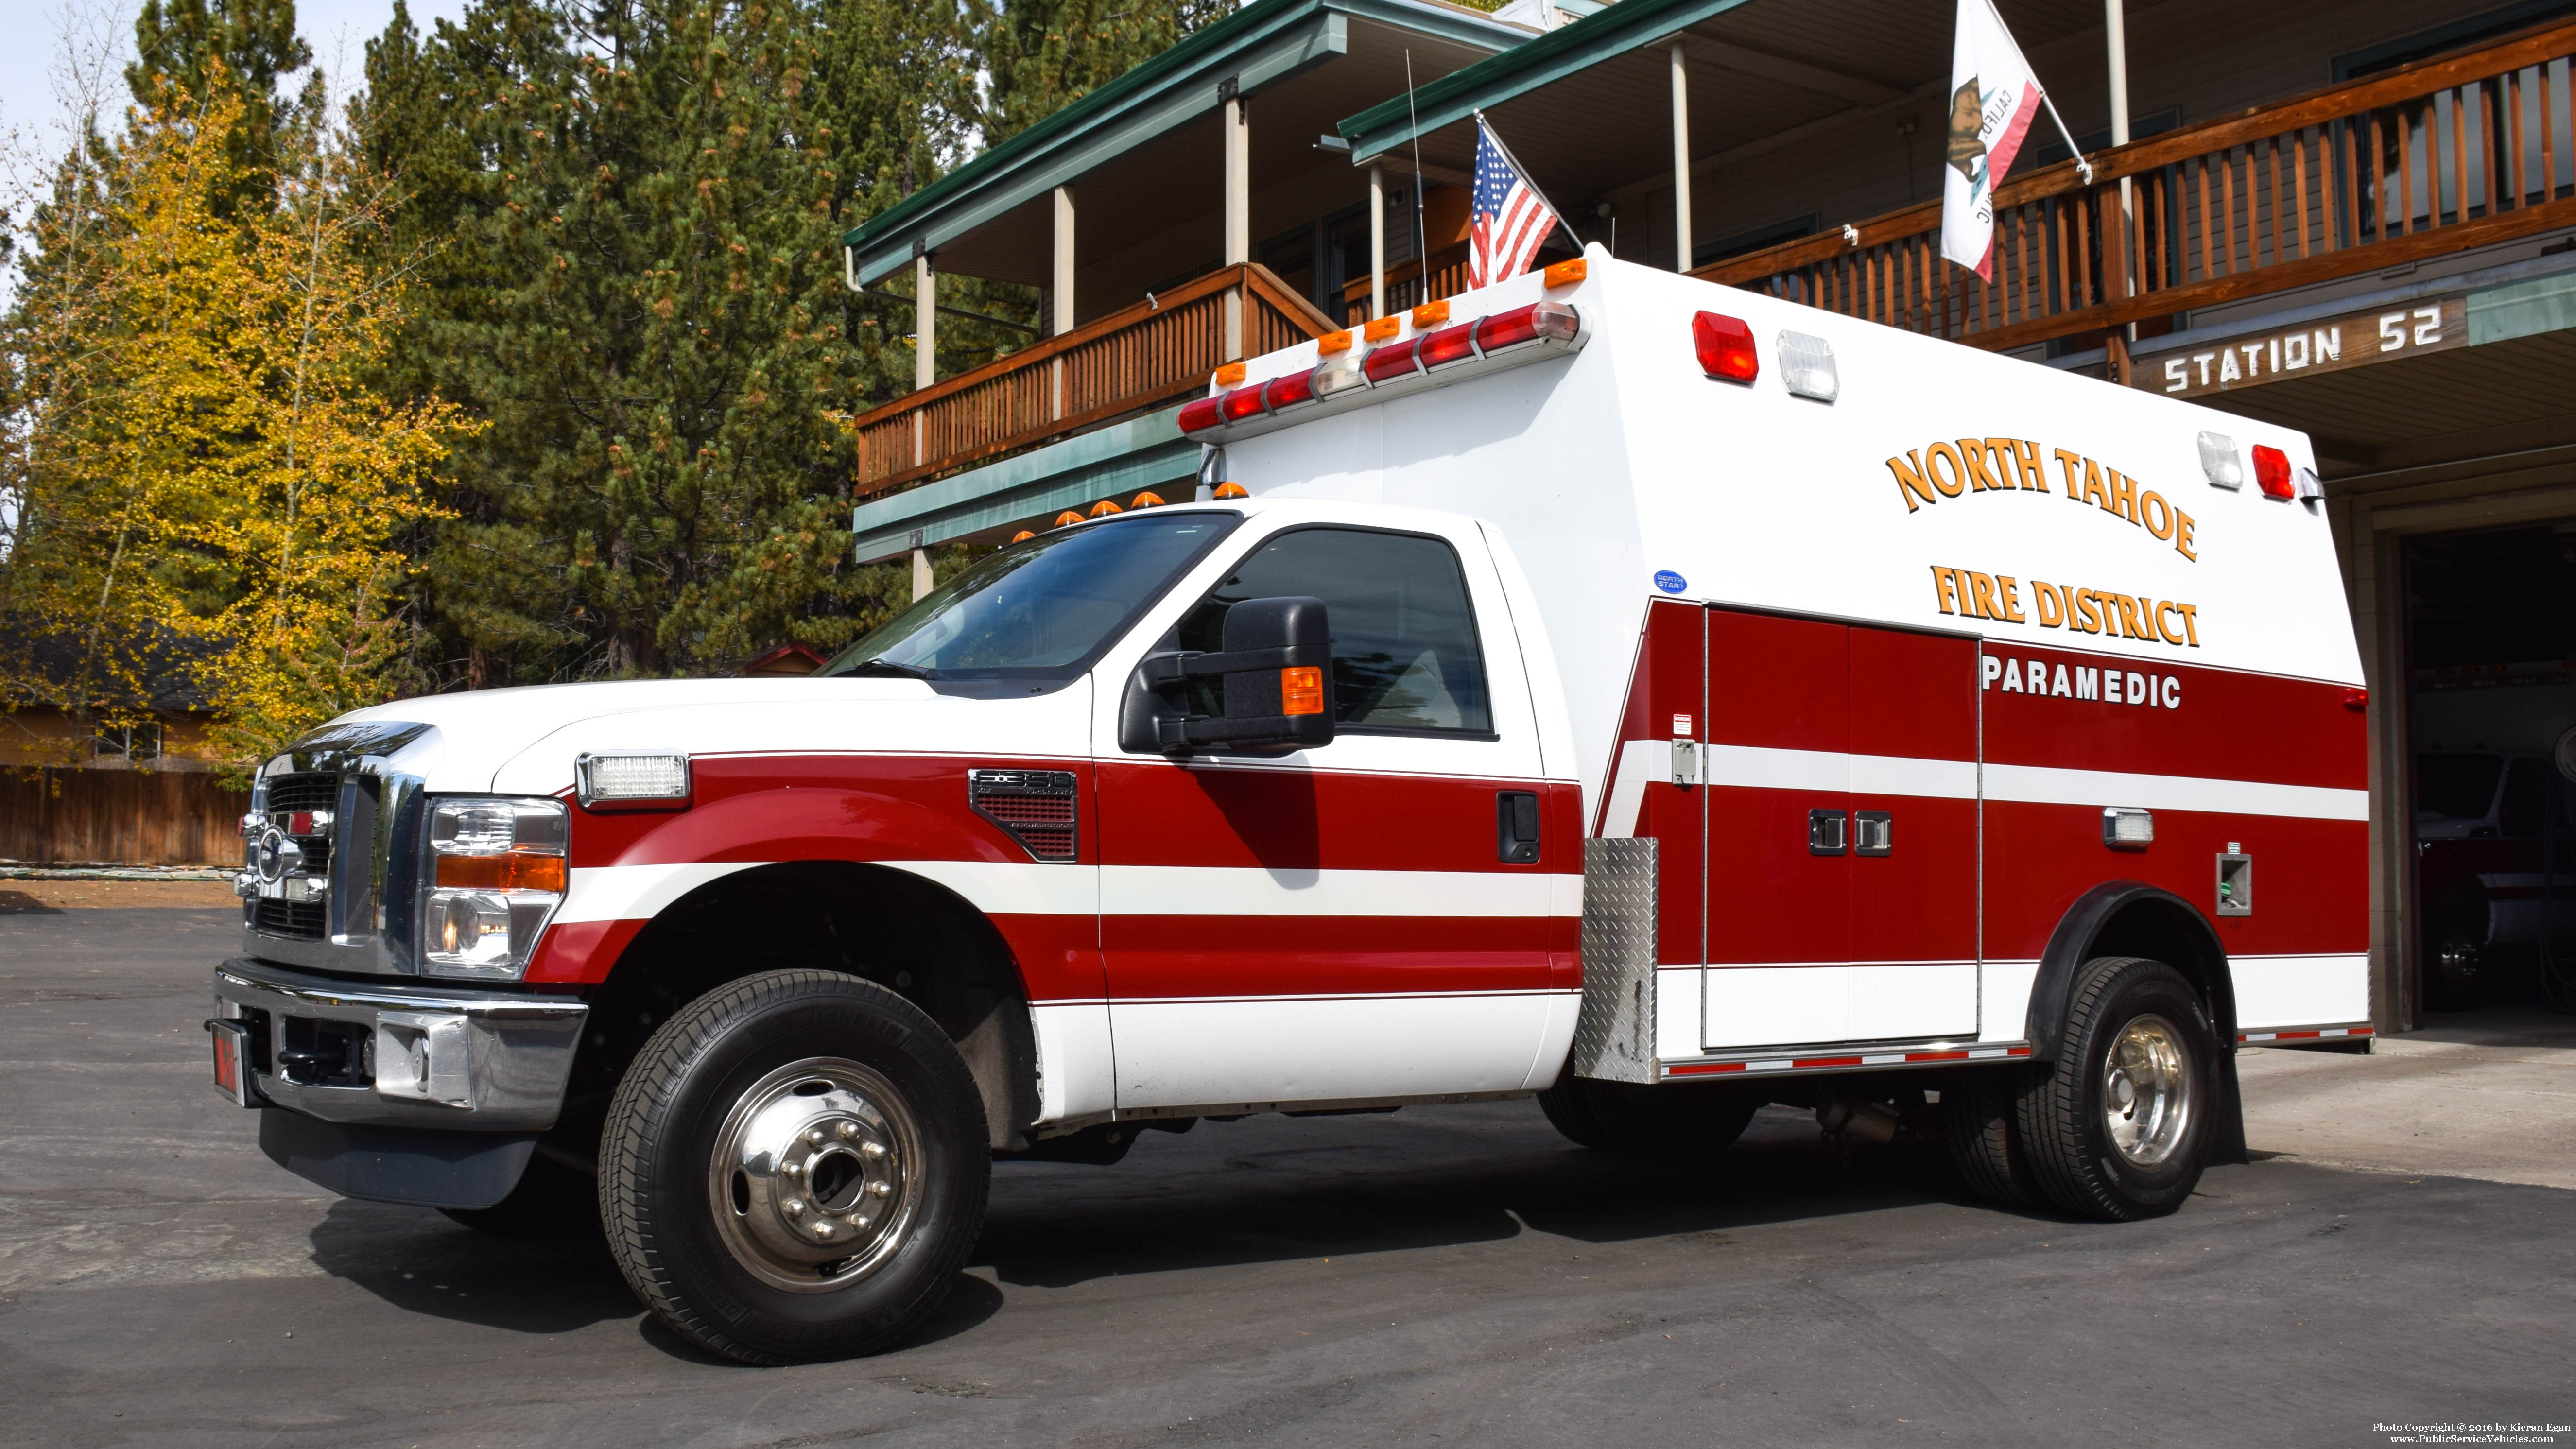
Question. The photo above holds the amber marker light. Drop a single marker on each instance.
(1332, 344)
(1568, 272)
(1022, 536)
(1430, 314)
(1104, 508)
(1301, 690)
(1381, 329)
(1146, 500)
(1232, 490)
(1068, 516)
(513, 872)
(1229, 375)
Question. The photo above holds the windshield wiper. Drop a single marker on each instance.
(885, 668)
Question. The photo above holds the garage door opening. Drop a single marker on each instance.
(2491, 714)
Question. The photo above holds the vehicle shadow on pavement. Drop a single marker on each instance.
(419, 1262)
(1055, 1226)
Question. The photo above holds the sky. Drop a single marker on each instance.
(31, 33)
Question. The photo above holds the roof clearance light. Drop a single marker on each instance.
(1068, 516)
(2272, 473)
(1022, 536)
(1552, 320)
(2220, 463)
(1391, 362)
(1808, 365)
(1568, 272)
(1382, 328)
(1104, 508)
(1289, 390)
(1146, 500)
(1243, 402)
(1229, 375)
(1448, 345)
(1332, 343)
(1430, 314)
(1725, 347)
(1200, 414)
(1232, 490)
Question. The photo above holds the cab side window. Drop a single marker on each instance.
(1405, 655)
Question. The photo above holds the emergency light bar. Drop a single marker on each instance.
(1426, 360)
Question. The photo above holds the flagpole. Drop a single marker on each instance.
(1553, 214)
(2080, 163)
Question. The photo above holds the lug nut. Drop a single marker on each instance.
(822, 1230)
(847, 1129)
(881, 1189)
(794, 1207)
(790, 1169)
(873, 1150)
(814, 1135)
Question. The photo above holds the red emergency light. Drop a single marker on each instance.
(1725, 347)
(1539, 322)
(2272, 473)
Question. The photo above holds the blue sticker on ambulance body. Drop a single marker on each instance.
(1670, 582)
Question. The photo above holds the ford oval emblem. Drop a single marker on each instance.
(1670, 582)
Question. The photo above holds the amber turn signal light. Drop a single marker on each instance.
(1568, 272)
(1229, 375)
(1301, 690)
(513, 872)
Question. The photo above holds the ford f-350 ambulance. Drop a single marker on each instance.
(1657, 698)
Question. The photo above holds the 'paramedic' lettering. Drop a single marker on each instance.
(1974, 595)
(2082, 681)
(2013, 465)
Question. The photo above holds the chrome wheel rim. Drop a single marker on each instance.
(814, 1178)
(2147, 1091)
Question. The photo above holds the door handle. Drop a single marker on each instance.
(1874, 833)
(1516, 827)
(1826, 833)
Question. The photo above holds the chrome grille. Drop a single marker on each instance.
(308, 919)
(312, 790)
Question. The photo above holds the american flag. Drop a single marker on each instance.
(1512, 219)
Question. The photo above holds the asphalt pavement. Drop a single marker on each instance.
(1438, 1276)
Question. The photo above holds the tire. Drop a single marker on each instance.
(551, 1201)
(770, 1122)
(2068, 1109)
(1688, 1121)
(1985, 1143)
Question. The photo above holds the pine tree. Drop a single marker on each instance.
(199, 48)
(1042, 55)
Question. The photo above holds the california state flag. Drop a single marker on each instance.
(1993, 99)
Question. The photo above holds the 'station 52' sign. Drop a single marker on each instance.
(2331, 344)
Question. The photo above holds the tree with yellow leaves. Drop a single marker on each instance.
(200, 464)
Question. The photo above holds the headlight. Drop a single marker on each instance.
(496, 872)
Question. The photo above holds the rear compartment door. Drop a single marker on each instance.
(1842, 833)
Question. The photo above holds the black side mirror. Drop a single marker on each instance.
(1275, 680)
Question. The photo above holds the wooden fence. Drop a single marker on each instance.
(1154, 352)
(1405, 287)
(128, 817)
(2428, 160)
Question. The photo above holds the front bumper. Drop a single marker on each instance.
(459, 1059)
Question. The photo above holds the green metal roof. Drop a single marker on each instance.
(1264, 41)
(1602, 35)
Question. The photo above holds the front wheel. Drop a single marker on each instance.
(794, 1168)
(2117, 1127)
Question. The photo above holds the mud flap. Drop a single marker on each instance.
(2227, 1132)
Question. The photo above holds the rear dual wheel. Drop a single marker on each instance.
(794, 1168)
(2117, 1126)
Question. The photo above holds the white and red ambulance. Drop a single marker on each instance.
(1653, 697)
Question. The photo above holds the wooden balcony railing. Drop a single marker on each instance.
(1153, 352)
(1405, 288)
(2436, 158)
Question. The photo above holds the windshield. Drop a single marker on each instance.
(1041, 609)
(2458, 787)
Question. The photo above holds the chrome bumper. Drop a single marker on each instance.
(411, 1056)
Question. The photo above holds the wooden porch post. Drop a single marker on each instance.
(2116, 39)
(1681, 162)
(925, 371)
(1062, 291)
(1238, 205)
(1377, 243)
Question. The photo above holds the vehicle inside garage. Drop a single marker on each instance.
(2490, 636)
